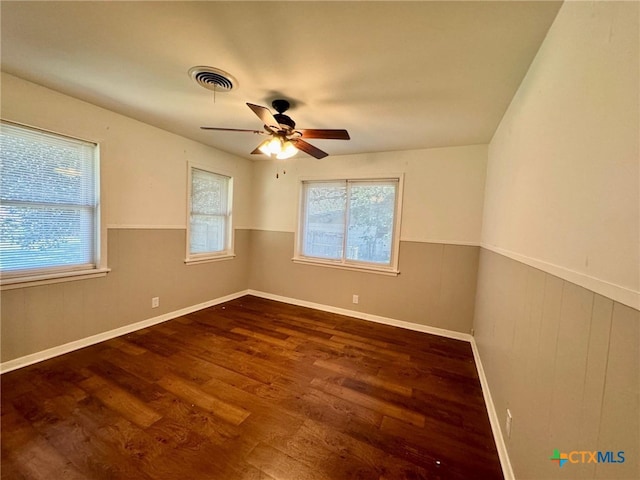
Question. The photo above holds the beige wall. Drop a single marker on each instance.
(436, 286)
(562, 195)
(144, 202)
(144, 263)
(566, 362)
(440, 232)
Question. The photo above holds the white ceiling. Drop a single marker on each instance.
(396, 75)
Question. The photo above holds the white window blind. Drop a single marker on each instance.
(48, 202)
(210, 216)
(350, 221)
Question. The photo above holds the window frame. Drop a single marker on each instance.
(389, 269)
(206, 257)
(56, 274)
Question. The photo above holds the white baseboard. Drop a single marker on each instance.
(101, 337)
(507, 470)
(365, 316)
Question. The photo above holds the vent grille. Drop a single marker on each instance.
(213, 79)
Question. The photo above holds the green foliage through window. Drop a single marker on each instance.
(350, 220)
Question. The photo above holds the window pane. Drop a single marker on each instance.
(209, 221)
(208, 193)
(48, 197)
(39, 168)
(45, 237)
(208, 233)
(370, 230)
(325, 207)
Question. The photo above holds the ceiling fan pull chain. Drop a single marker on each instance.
(284, 172)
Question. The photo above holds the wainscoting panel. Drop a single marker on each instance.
(144, 263)
(436, 285)
(566, 362)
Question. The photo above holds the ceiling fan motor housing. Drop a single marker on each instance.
(281, 106)
(285, 120)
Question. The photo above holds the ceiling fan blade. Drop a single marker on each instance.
(231, 130)
(265, 115)
(325, 134)
(310, 149)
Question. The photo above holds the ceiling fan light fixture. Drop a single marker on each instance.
(273, 146)
(288, 150)
(278, 147)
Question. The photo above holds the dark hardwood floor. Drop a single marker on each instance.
(252, 389)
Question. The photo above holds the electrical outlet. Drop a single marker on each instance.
(508, 423)
(356, 299)
(155, 302)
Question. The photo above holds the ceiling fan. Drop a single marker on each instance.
(285, 140)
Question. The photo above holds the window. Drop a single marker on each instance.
(49, 209)
(210, 230)
(350, 223)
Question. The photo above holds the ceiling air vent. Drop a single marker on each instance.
(213, 79)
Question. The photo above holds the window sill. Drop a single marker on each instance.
(217, 258)
(389, 271)
(10, 283)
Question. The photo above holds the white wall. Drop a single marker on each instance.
(443, 190)
(144, 200)
(562, 189)
(143, 168)
(144, 172)
(563, 197)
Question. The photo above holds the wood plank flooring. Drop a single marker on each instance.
(252, 389)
